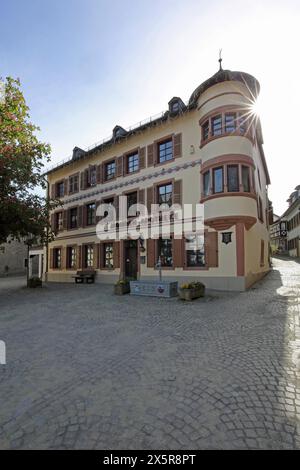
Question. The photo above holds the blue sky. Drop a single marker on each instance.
(86, 66)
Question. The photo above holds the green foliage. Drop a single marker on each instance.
(192, 285)
(22, 157)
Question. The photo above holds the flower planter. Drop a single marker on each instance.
(122, 289)
(193, 293)
(34, 282)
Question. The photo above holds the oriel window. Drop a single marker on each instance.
(232, 178)
(216, 123)
(206, 183)
(230, 122)
(246, 178)
(205, 130)
(218, 185)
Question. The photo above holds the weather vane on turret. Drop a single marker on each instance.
(220, 58)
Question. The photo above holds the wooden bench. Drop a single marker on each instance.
(87, 275)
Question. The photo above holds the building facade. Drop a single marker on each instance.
(278, 236)
(209, 152)
(292, 220)
(13, 258)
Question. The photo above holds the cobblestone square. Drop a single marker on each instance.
(87, 369)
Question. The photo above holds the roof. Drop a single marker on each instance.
(223, 76)
(120, 133)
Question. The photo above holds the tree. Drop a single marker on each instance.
(22, 210)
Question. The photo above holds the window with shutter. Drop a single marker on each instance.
(132, 163)
(211, 249)
(150, 199)
(177, 145)
(177, 197)
(195, 251)
(120, 166)
(99, 174)
(142, 156)
(165, 151)
(150, 155)
(116, 254)
(150, 253)
(141, 196)
(178, 253)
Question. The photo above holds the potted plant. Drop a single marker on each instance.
(191, 290)
(122, 287)
(34, 282)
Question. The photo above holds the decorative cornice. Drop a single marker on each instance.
(134, 181)
(225, 222)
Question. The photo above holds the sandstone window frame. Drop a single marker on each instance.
(211, 129)
(226, 161)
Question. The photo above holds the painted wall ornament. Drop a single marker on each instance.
(226, 237)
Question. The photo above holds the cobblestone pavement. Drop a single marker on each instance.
(86, 369)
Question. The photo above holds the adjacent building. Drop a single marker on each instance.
(13, 258)
(209, 151)
(292, 219)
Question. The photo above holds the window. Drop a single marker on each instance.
(73, 217)
(73, 184)
(110, 170)
(233, 178)
(92, 176)
(71, 257)
(205, 130)
(195, 251)
(109, 201)
(242, 124)
(230, 122)
(175, 107)
(131, 199)
(165, 151)
(165, 252)
(218, 180)
(90, 214)
(57, 258)
(206, 183)
(88, 256)
(59, 221)
(108, 255)
(262, 253)
(246, 178)
(132, 163)
(226, 124)
(260, 209)
(165, 194)
(60, 189)
(217, 125)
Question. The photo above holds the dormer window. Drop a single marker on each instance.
(175, 105)
(118, 132)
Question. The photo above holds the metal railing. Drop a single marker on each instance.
(107, 139)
